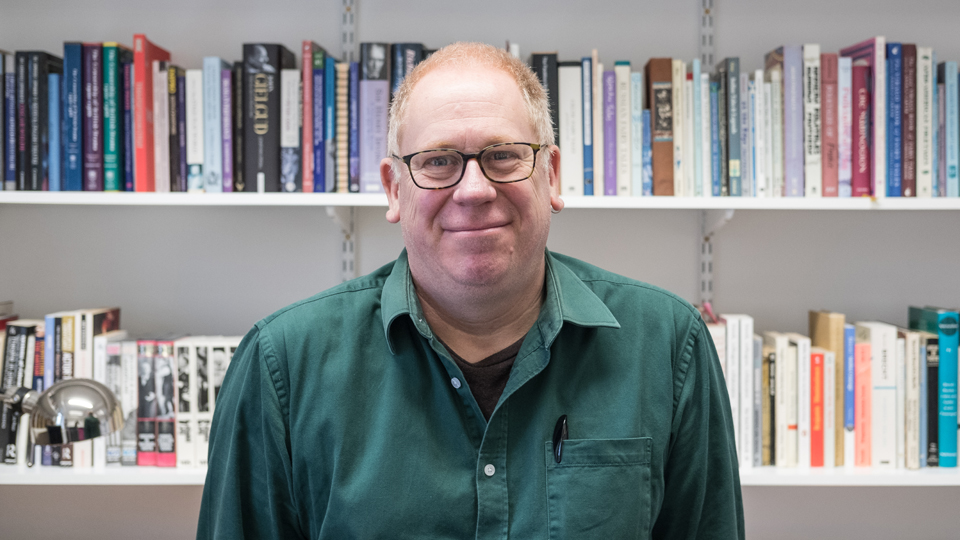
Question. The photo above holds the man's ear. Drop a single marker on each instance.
(391, 186)
(556, 203)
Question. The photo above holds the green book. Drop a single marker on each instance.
(114, 56)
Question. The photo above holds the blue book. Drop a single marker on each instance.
(894, 119)
(354, 127)
(319, 128)
(10, 117)
(646, 186)
(947, 72)
(849, 384)
(715, 137)
(587, 78)
(72, 117)
(330, 123)
(637, 137)
(947, 324)
(53, 131)
(213, 67)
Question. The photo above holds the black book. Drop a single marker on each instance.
(237, 88)
(933, 402)
(261, 127)
(182, 128)
(41, 65)
(545, 66)
(406, 56)
(178, 180)
(720, 77)
(23, 141)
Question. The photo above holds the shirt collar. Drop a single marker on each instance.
(568, 299)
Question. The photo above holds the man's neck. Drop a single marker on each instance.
(484, 324)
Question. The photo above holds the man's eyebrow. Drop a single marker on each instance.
(444, 144)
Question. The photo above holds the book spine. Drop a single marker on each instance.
(908, 178)
(647, 181)
(226, 127)
(924, 121)
(778, 183)
(609, 133)
(68, 346)
(129, 402)
(860, 175)
(147, 407)
(829, 110)
(161, 127)
(22, 131)
(237, 90)
(181, 142)
(186, 388)
(935, 126)
(195, 132)
(92, 117)
(696, 89)
(952, 157)
(768, 136)
(586, 70)
(722, 117)
(261, 125)
(353, 145)
(330, 120)
(597, 112)
(746, 148)
(342, 157)
(793, 147)
(849, 396)
(894, 117)
(660, 99)
(900, 404)
(10, 131)
(804, 402)
(922, 405)
(11, 361)
(173, 137)
(112, 121)
(933, 401)
(113, 377)
(212, 126)
(884, 397)
(816, 409)
(715, 158)
(706, 146)
(544, 66)
(734, 167)
(623, 131)
(678, 76)
(128, 145)
(290, 170)
(845, 126)
(940, 180)
(812, 125)
(947, 375)
(204, 406)
(636, 134)
(912, 422)
(374, 103)
(758, 399)
(758, 136)
(746, 390)
(571, 130)
(732, 374)
(318, 123)
(689, 148)
(37, 121)
(830, 410)
(53, 130)
(72, 114)
(864, 405)
(165, 370)
(306, 144)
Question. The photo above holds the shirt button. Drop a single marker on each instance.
(455, 382)
(489, 469)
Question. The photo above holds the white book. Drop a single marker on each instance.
(732, 372)
(696, 94)
(913, 370)
(706, 142)
(25, 379)
(879, 132)
(194, 110)
(570, 99)
(883, 430)
(812, 147)
(598, 180)
(829, 409)
(624, 116)
(900, 368)
(760, 92)
(636, 132)
(161, 128)
(776, 111)
(779, 343)
(213, 67)
(746, 150)
(768, 137)
(290, 118)
(690, 187)
(679, 75)
(803, 397)
(186, 417)
(204, 409)
(925, 107)
(128, 401)
(791, 403)
(758, 396)
(746, 389)
(845, 131)
(106, 370)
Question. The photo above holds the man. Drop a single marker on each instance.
(479, 386)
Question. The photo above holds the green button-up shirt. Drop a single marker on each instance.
(342, 416)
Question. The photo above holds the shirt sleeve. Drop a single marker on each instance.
(702, 497)
(248, 490)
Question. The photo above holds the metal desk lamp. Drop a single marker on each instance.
(70, 411)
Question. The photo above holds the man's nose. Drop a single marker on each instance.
(474, 186)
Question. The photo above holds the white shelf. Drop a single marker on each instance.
(378, 199)
(109, 476)
(852, 477)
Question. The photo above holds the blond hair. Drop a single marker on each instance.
(462, 54)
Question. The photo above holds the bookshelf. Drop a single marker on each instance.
(215, 264)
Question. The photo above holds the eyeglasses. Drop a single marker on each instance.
(503, 163)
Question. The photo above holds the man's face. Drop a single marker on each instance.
(477, 233)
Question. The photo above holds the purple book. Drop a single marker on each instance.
(793, 120)
(128, 148)
(609, 133)
(226, 134)
(374, 103)
(92, 117)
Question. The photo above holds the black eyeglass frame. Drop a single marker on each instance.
(466, 159)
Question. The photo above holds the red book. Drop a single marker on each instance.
(908, 182)
(144, 53)
(306, 139)
(830, 134)
(860, 181)
(862, 403)
(816, 408)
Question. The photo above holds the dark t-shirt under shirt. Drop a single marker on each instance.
(488, 377)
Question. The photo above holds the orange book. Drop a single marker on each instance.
(862, 403)
(144, 53)
(816, 408)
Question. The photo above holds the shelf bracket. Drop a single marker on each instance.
(343, 218)
(711, 221)
(348, 30)
(707, 12)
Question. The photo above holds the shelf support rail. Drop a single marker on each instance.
(343, 218)
(348, 30)
(711, 221)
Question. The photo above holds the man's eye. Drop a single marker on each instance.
(503, 155)
(438, 161)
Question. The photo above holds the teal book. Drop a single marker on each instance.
(114, 56)
(944, 323)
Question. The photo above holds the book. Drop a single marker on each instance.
(883, 443)
(924, 120)
(900, 418)
(144, 55)
(237, 101)
(330, 122)
(768, 411)
(586, 72)
(186, 381)
(774, 72)
(41, 65)
(67, 347)
(647, 177)
(176, 120)
(147, 403)
(9, 163)
(308, 51)
(353, 127)
(342, 136)
(911, 404)
(55, 174)
(161, 126)
(817, 392)
(317, 123)
(931, 354)
(862, 163)
(716, 161)
(570, 97)
(871, 53)
(92, 117)
(678, 73)
(696, 97)
(88, 324)
(290, 170)
(791, 404)
(204, 405)
(894, 118)
(115, 56)
(828, 331)
(793, 147)
(757, 425)
(706, 148)
(226, 127)
(731, 69)
(72, 114)
(908, 176)
(213, 68)
(829, 409)
(863, 398)
(546, 67)
(106, 370)
(195, 131)
(19, 344)
(597, 112)
(261, 125)
(406, 56)
(689, 149)
(723, 112)
(636, 134)
(373, 105)
(950, 158)
(129, 401)
(609, 89)
(849, 397)
(759, 121)
(829, 110)
(746, 137)
(731, 373)
(624, 114)
(23, 132)
(128, 144)
(165, 377)
(803, 385)
(659, 100)
(844, 127)
(944, 324)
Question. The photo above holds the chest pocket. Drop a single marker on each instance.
(600, 489)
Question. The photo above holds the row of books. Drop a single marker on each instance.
(868, 394)
(876, 119)
(166, 386)
(105, 117)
